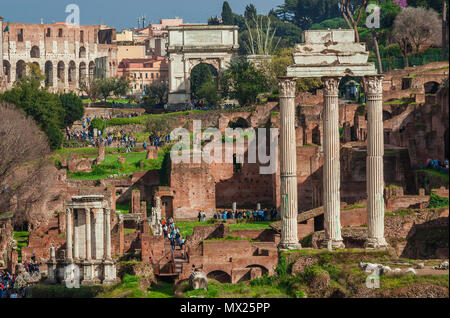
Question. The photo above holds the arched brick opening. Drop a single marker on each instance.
(82, 52)
(264, 269)
(7, 71)
(82, 76)
(91, 70)
(239, 123)
(316, 135)
(72, 72)
(60, 72)
(48, 73)
(20, 69)
(386, 115)
(35, 52)
(431, 87)
(220, 276)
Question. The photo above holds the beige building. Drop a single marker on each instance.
(130, 52)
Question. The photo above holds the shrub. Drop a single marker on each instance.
(98, 123)
(437, 201)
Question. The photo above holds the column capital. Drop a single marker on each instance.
(373, 84)
(68, 210)
(286, 86)
(331, 85)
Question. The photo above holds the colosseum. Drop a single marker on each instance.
(65, 53)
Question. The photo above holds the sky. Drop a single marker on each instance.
(122, 14)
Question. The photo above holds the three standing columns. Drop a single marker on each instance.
(373, 86)
(331, 164)
(288, 165)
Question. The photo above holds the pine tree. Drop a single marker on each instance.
(227, 14)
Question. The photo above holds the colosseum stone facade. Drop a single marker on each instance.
(66, 54)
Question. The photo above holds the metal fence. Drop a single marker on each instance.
(394, 63)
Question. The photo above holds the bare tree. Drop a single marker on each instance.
(24, 163)
(348, 9)
(417, 27)
(261, 38)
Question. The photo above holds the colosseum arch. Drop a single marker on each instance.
(72, 73)
(82, 52)
(21, 69)
(91, 70)
(35, 52)
(60, 72)
(48, 69)
(7, 70)
(190, 45)
(83, 75)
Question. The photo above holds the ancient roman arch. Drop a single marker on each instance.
(331, 55)
(190, 45)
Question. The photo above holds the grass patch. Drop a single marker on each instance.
(110, 166)
(187, 227)
(123, 208)
(354, 206)
(437, 173)
(437, 201)
(402, 212)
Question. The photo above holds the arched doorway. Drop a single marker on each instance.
(82, 53)
(20, 69)
(386, 115)
(48, 73)
(82, 75)
(72, 73)
(35, 52)
(203, 81)
(7, 70)
(60, 73)
(315, 135)
(431, 87)
(220, 276)
(91, 70)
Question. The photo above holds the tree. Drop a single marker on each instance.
(73, 106)
(242, 81)
(213, 21)
(416, 27)
(106, 87)
(24, 168)
(158, 91)
(200, 74)
(159, 125)
(261, 38)
(208, 92)
(308, 12)
(44, 107)
(350, 8)
(227, 14)
(121, 85)
(250, 12)
(90, 88)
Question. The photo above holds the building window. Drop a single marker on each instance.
(135, 86)
(81, 36)
(60, 33)
(134, 75)
(140, 75)
(49, 32)
(157, 75)
(141, 86)
(20, 35)
(152, 75)
(146, 75)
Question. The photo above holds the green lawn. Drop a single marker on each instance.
(123, 208)
(22, 241)
(110, 166)
(187, 227)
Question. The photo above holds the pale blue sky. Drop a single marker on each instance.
(123, 13)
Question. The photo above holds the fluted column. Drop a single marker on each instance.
(108, 234)
(373, 86)
(288, 165)
(76, 253)
(88, 233)
(331, 164)
(69, 234)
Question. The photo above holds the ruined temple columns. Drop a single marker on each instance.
(373, 86)
(108, 234)
(288, 165)
(331, 164)
(69, 234)
(76, 253)
(88, 233)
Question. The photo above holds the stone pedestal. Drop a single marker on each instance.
(331, 164)
(373, 86)
(109, 272)
(288, 166)
(88, 273)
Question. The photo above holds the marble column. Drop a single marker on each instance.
(69, 234)
(108, 234)
(88, 233)
(288, 165)
(331, 164)
(373, 86)
(76, 253)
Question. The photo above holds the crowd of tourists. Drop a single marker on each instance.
(172, 232)
(437, 164)
(157, 141)
(260, 215)
(8, 288)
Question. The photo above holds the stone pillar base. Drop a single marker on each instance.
(109, 272)
(289, 246)
(376, 243)
(335, 245)
(88, 274)
(51, 273)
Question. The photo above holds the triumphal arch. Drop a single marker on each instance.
(190, 45)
